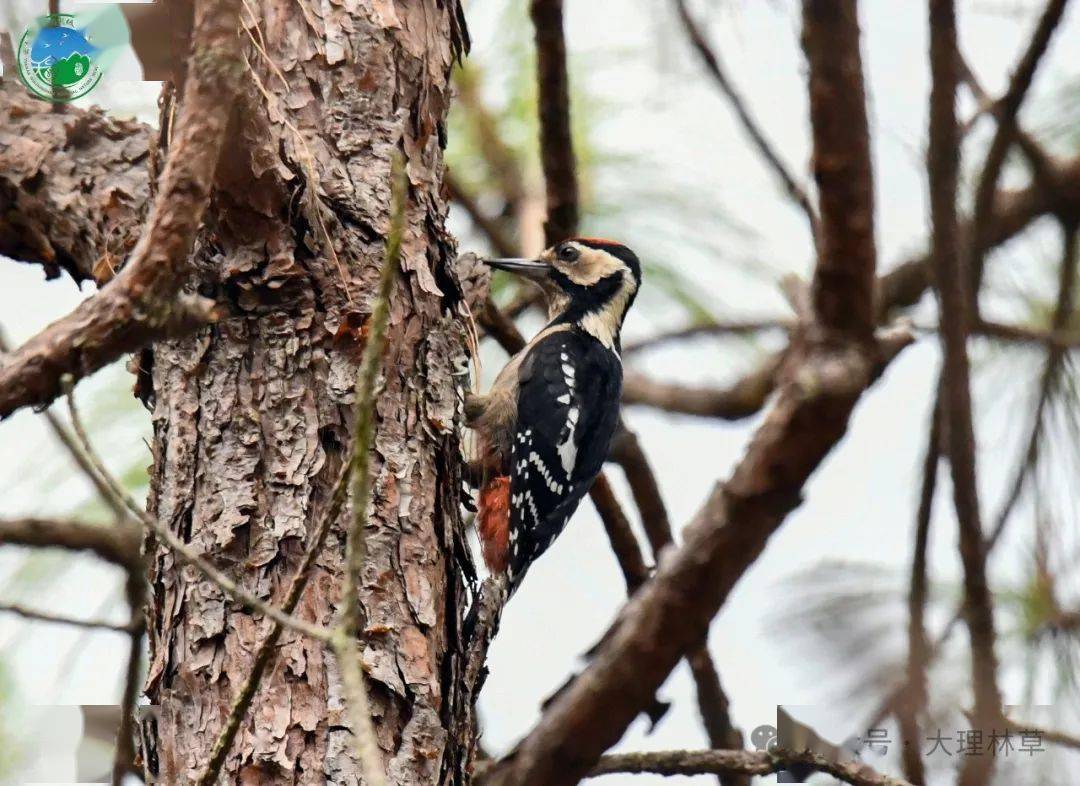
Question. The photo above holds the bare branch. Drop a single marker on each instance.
(44, 616)
(903, 286)
(68, 441)
(843, 286)
(952, 282)
(669, 615)
(712, 702)
(500, 327)
(1051, 378)
(112, 544)
(1052, 736)
(1059, 339)
(1012, 212)
(913, 704)
(717, 328)
(1042, 167)
(620, 534)
(556, 143)
(124, 758)
(749, 124)
(1007, 110)
(744, 398)
(144, 302)
(737, 761)
(500, 242)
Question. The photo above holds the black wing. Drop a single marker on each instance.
(568, 405)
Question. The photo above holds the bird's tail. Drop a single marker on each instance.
(493, 522)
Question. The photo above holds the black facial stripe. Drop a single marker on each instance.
(585, 299)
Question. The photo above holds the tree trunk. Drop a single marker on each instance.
(252, 415)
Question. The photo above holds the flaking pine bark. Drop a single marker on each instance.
(252, 415)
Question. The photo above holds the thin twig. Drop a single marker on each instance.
(953, 280)
(345, 642)
(750, 126)
(124, 758)
(45, 616)
(184, 552)
(1008, 109)
(267, 649)
(68, 441)
(1051, 379)
(742, 762)
(1040, 163)
(733, 327)
(501, 243)
(911, 710)
(1053, 736)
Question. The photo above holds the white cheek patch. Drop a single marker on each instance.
(592, 266)
(604, 324)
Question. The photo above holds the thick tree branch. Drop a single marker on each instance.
(843, 286)
(117, 545)
(712, 701)
(953, 280)
(556, 143)
(757, 137)
(45, 159)
(722, 762)
(144, 301)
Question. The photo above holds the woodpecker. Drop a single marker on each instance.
(545, 427)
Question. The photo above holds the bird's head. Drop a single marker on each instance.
(588, 281)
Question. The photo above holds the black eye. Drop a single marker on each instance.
(568, 253)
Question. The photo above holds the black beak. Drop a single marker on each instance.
(528, 268)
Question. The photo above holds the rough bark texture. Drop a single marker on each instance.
(73, 185)
(251, 416)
